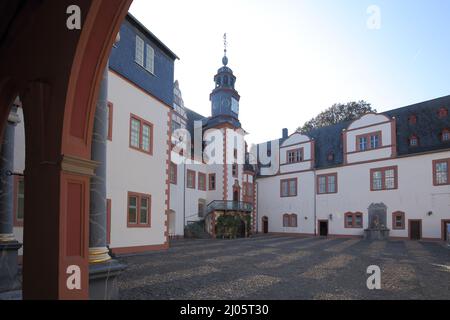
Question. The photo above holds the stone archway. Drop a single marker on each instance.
(57, 78)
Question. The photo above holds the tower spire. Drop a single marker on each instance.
(225, 44)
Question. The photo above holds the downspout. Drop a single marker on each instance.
(184, 196)
(315, 202)
(257, 207)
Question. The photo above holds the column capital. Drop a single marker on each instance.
(7, 237)
(72, 164)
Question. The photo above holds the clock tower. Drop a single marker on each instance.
(224, 98)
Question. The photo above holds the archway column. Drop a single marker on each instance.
(103, 271)
(9, 246)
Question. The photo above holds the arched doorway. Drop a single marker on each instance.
(58, 80)
(265, 225)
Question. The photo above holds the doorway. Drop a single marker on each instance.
(323, 228)
(445, 225)
(265, 222)
(415, 229)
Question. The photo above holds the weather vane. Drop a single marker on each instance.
(225, 43)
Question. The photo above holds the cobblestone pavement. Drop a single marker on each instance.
(272, 267)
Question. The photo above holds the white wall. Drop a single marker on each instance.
(415, 196)
(271, 205)
(134, 171)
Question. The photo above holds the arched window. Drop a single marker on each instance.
(413, 141)
(293, 221)
(285, 220)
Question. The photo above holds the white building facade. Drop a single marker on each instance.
(324, 182)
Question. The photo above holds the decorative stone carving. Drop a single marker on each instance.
(377, 222)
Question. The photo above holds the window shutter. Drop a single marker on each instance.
(150, 59)
(139, 56)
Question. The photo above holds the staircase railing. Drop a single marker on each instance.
(221, 205)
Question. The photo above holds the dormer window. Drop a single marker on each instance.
(445, 135)
(413, 141)
(442, 113)
(295, 156)
(330, 156)
(144, 55)
(412, 120)
(362, 143)
(368, 141)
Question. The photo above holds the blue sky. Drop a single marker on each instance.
(295, 58)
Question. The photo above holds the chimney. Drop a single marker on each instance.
(285, 133)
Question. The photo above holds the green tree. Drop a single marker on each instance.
(338, 112)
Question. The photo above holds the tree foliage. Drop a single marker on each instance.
(338, 112)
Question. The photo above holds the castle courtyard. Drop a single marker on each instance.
(286, 267)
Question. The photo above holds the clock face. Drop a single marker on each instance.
(234, 105)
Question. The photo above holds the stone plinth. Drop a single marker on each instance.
(376, 234)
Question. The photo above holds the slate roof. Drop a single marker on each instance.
(193, 116)
(428, 129)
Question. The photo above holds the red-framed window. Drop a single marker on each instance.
(19, 200)
(110, 111)
(384, 178)
(441, 172)
(398, 220)
(173, 173)
(141, 135)
(445, 135)
(234, 170)
(442, 113)
(201, 181)
(290, 220)
(108, 221)
(354, 220)
(413, 141)
(139, 210)
(294, 155)
(285, 220)
(190, 179)
(412, 119)
(288, 188)
(368, 141)
(327, 183)
(212, 181)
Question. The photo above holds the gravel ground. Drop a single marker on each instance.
(272, 267)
